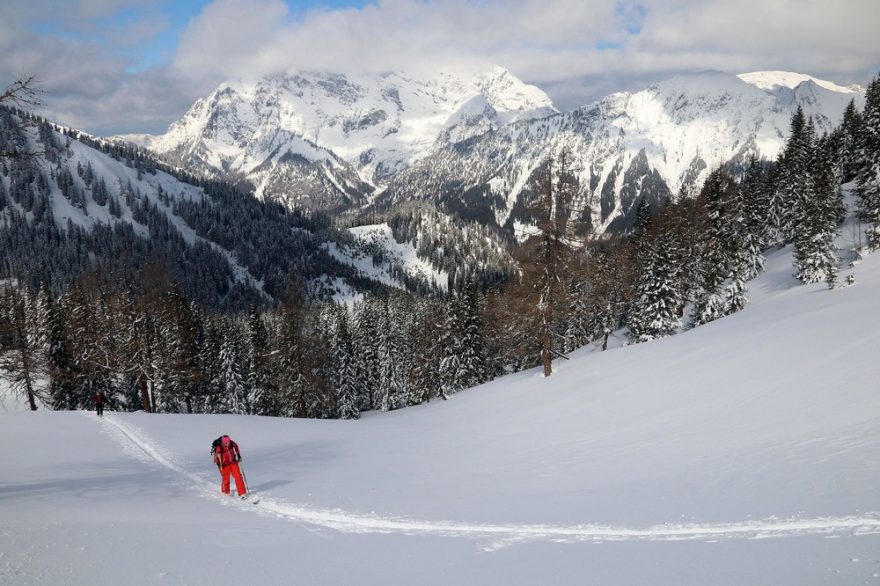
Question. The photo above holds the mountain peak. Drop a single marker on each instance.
(767, 80)
(507, 93)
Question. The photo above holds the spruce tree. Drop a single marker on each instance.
(342, 364)
(849, 139)
(655, 311)
(869, 167)
(428, 344)
(816, 227)
(261, 395)
(712, 267)
(230, 377)
(792, 169)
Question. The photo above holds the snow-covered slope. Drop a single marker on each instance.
(326, 140)
(376, 255)
(628, 147)
(741, 452)
(85, 204)
(73, 183)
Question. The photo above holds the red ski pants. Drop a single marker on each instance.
(232, 469)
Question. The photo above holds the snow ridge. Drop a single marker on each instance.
(328, 140)
(503, 535)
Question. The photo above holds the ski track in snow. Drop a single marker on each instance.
(503, 535)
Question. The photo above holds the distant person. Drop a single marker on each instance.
(99, 399)
(227, 456)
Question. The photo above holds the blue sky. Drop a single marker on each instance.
(112, 66)
(171, 18)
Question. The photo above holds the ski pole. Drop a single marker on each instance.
(244, 477)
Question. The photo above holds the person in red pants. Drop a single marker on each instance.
(227, 456)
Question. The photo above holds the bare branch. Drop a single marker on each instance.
(23, 92)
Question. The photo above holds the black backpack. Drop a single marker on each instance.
(216, 444)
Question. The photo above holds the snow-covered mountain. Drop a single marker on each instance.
(331, 141)
(628, 146)
(328, 141)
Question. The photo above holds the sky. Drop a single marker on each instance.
(124, 66)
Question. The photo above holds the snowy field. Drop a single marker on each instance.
(746, 451)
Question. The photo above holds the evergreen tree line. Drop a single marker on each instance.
(150, 348)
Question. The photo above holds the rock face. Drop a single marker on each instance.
(330, 141)
(337, 142)
(627, 147)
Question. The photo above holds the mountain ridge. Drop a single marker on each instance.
(340, 142)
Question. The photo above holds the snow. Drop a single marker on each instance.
(395, 117)
(402, 255)
(770, 79)
(682, 128)
(744, 451)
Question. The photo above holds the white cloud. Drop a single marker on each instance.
(578, 50)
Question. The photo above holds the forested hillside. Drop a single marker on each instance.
(153, 343)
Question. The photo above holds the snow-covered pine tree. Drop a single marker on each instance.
(261, 396)
(792, 188)
(211, 397)
(712, 267)
(230, 377)
(846, 140)
(451, 365)
(475, 364)
(79, 321)
(366, 335)
(290, 343)
(756, 202)
(464, 362)
(184, 336)
(427, 352)
(655, 311)
(342, 362)
(869, 166)
(815, 229)
(387, 391)
(746, 259)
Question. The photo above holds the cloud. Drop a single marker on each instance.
(555, 43)
(577, 50)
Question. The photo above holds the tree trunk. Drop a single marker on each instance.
(26, 375)
(546, 354)
(145, 395)
(29, 389)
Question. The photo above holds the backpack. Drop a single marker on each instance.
(216, 444)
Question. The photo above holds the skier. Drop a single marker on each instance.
(99, 399)
(227, 456)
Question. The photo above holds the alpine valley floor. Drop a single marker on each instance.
(746, 451)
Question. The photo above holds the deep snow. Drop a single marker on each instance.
(742, 452)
